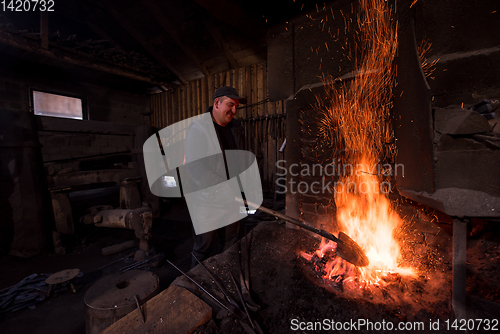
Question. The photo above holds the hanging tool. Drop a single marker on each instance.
(347, 248)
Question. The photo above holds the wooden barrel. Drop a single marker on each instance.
(112, 297)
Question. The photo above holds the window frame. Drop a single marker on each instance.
(85, 113)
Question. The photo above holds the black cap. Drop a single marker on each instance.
(229, 92)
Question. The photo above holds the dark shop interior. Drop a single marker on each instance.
(231, 166)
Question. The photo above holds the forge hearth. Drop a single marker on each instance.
(291, 292)
(445, 171)
(287, 287)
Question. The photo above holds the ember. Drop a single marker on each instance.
(356, 117)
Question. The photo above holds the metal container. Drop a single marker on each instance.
(112, 297)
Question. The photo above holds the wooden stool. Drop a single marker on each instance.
(61, 277)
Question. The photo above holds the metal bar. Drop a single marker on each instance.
(86, 157)
(137, 264)
(458, 297)
(241, 299)
(221, 288)
(203, 289)
(292, 220)
(245, 282)
(131, 266)
(116, 261)
(143, 320)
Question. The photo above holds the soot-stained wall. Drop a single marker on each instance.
(113, 115)
(462, 37)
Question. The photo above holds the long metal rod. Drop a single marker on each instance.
(139, 308)
(245, 282)
(459, 281)
(241, 299)
(221, 288)
(349, 250)
(116, 261)
(85, 157)
(292, 220)
(137, 264)
(208, 293)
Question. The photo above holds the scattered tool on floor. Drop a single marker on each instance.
(219, 285)
(208, 293)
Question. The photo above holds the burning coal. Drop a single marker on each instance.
(356, 117)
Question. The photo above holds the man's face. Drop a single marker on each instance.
(224, 110)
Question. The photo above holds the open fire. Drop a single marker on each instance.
(356, 117)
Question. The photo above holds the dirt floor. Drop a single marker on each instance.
(288, 288)
(64, 312)
(294, 298)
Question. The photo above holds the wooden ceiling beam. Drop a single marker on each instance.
(80, 59)
(140, 38)
(154, 9)
(89, 22)
(101, 33)
(219, 39)
(44, 29)
(232, 14)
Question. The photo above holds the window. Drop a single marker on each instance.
(46, 104)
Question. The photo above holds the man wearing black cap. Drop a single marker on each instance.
(211, 172)
(226, 102)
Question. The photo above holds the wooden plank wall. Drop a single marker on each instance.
(264, 121)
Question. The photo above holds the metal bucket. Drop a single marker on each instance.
(112, 297)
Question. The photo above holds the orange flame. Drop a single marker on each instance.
(356, 117)
(367, 216)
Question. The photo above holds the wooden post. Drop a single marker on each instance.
(44, 29)
(458, 298)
